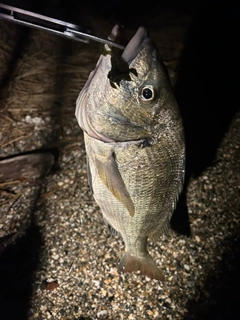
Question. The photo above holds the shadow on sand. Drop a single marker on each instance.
(17, 265)
(207, 93)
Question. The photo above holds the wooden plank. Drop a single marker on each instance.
(28, 166)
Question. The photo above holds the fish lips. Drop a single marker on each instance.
(133, 46)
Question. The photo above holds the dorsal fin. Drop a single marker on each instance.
(164, 229)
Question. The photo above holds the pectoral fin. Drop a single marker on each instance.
(111, 177)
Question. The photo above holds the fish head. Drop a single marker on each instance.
(124, 95)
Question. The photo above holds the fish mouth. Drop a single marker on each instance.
(134, 46)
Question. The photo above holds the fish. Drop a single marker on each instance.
(135, 146)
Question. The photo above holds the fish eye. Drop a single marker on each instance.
(147, 94)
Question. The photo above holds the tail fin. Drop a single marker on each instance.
(145, 265)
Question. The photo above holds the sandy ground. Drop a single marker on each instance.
(61, 262)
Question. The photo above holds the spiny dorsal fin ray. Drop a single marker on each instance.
(111, 177)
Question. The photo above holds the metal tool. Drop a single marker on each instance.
(59, 27)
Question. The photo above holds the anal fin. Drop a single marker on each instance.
(110, 228)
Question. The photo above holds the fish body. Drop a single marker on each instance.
(135, 148)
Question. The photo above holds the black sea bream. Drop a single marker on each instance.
(135, 146)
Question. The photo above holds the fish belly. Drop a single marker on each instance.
(152, 179)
